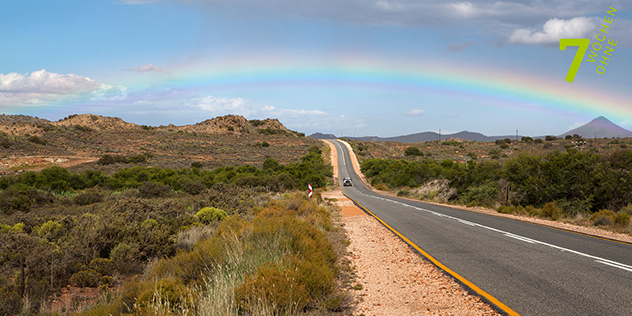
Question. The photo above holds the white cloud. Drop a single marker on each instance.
(553, 30)
(464, 9)
(416, 112)
(42, 86)
(213, 104)
(145, 68)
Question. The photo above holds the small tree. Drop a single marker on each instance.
(412, 151)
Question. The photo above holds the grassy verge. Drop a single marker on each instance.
(278, 262)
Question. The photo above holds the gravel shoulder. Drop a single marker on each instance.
(392, 278)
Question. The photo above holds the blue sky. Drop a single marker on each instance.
(358, 67)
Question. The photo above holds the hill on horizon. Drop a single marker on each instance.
(600, 127)
(431, 136)
(21, 125)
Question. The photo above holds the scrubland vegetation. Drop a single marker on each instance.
(592, 187)
(233, 240)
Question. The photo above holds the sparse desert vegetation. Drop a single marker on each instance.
(586, 182)
(147, 229)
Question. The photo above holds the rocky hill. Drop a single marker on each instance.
(96, 122)
(21, 125)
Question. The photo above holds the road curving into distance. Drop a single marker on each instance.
(522, 268)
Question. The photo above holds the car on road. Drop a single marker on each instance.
(347, 182)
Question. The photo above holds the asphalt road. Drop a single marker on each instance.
(532, 269)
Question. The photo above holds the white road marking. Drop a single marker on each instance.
(508, 234)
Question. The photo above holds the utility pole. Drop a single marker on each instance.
(516, 135)
(439, 134)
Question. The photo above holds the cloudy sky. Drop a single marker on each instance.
(363, 67)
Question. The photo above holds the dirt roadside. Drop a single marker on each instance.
(394, 280)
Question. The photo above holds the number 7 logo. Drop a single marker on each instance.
(583, 44)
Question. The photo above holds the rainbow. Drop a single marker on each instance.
(513, 90)
(496, 87)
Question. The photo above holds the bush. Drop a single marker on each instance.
(381, 187)
(150, 189)
(193, 187)
(197, 165)
(413, 151)
(169, 291)
(86, 278)
(209, 214)
(10, 302)
(111, 159)
(87, 198)
(36, 140)
(450, 143)
(137, 159)
(126, 258)
(277, 287)
(622, 219)
(102, 266)
(551, 210)
(270, 164)
(603, 218)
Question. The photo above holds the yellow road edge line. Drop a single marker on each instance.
(441, 266)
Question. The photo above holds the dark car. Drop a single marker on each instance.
(347, 182)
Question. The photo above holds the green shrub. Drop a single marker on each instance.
(193, 187)
(270, 164)
(197, 165)
(150, 189)
(450, 143)
(111, 159)
(36, 140)
(102, 266)
(209, 214)
(413, 151)
(10, 302)
(169, 290)
(277, 287)
(404, 192)
(87, 198)
(135, 159)
(622, 219)
(126, 258)
(511, 209)
(50, 230)
(86, 278)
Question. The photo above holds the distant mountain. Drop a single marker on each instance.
(322, 136)
(600, 127)
(430, 136)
